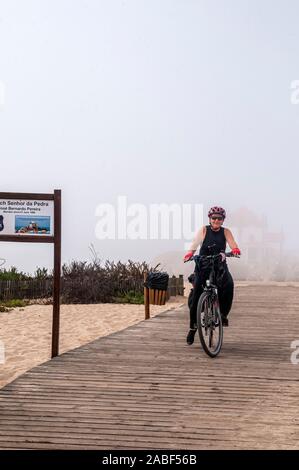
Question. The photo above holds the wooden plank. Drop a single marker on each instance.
(57, 273)
(181, 285)
(152, 296)
(146, 299)
(29, 196)
(27, 238)
(129, 390)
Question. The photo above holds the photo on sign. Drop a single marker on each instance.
(33, 225)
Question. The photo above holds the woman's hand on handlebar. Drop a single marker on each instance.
(188, 256)
(233, 254)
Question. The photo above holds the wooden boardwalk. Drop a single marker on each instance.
(144, 388)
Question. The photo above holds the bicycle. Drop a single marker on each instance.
(209, 320)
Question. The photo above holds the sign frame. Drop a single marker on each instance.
(56, 240)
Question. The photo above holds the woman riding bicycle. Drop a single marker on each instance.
(213, 239)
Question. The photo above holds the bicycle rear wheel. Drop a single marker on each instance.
(209, 324)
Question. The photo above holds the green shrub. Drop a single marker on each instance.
(130, 298)
(6, 305)
(12, 274)
(14, 303)
(4, 309)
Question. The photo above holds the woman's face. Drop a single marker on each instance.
(216, 221)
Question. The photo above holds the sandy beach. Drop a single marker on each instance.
(26, 332)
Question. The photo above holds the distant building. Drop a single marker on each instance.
(261, 249)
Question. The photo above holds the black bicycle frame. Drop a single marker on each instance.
(212, 282)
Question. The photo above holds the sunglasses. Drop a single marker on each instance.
(217, 217)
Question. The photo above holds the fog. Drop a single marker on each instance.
(161, 102)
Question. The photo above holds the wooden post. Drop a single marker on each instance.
(173, 286)
(151, 296)
(181, 284)
(57, 273)
(146, 300)
(168, 292)
(178, 286)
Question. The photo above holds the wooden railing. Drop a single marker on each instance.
(43, 288)
(26, 289)
(160, 297)
(175, 286)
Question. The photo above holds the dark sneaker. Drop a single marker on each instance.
(224, 321)
(190, 336)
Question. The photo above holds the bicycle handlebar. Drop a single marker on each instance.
(226, 255)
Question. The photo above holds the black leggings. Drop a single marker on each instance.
(225, 293)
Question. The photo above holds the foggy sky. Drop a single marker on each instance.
(169, 101)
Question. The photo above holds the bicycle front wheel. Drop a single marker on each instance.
(209, 324)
